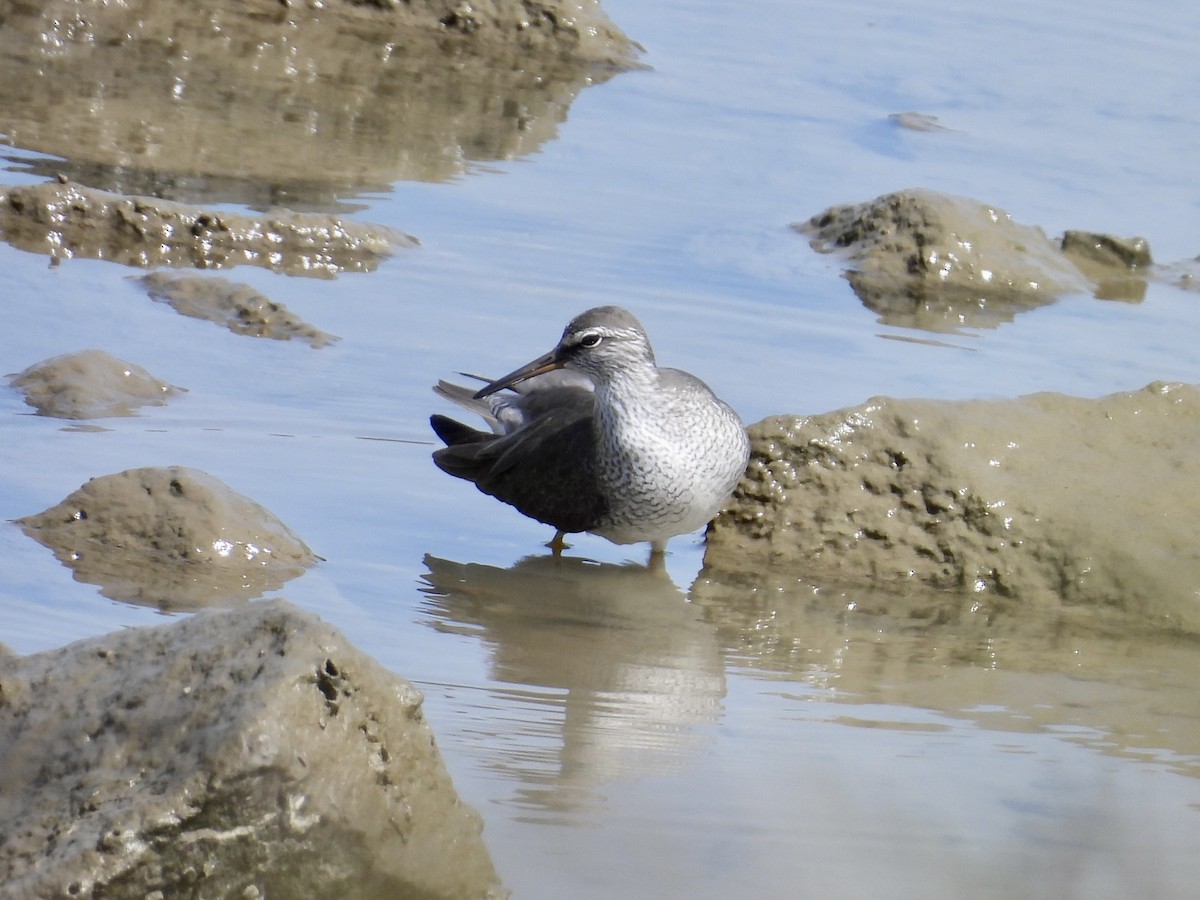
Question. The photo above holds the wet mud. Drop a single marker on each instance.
(1042, 502)
(284, 108)
(90, 384)
(64, 220)
(941, 263)
(175, 538)
(1118, 267)
(980, 509)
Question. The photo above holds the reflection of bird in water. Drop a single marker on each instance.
(618, 448)
(615, 667)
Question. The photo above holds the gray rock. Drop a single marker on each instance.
(247, 753)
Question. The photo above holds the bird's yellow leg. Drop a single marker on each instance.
(558, 545)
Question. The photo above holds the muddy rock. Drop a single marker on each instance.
(66, 220)
(175, 537)
(922, 259)
(244, 753)
(90, 384)
(1045, 501)
(293, 104)
(238, 307)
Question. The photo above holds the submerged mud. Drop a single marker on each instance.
(175, 538)
(1044, 501)
(238, 307)
(90, 384)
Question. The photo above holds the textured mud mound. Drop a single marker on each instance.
(238, 307)
(245, 753)
(173, 537)
(66, 220)
(927, 260)
(90, 384)
(1043, 500)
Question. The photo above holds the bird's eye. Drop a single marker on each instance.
(591, 339)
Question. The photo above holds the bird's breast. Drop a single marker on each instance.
(667, 466)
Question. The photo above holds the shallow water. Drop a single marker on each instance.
(628, 734)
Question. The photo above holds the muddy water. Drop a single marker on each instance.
(625, 733)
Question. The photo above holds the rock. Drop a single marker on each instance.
(246, 753)
(171, 537)
(89, 384)
(67, 220)
(928, 260)
(238, 307)
(1043, 500)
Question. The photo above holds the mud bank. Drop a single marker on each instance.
(922, 259)
(90, 384)
(65, 220)
(245, 753)
(1045, 500)
(293, 104)
(175, 538)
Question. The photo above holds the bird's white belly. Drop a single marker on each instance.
(658, 487)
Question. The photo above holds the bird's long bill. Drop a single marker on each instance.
(539, 366)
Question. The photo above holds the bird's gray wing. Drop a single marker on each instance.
(546, 469)
(515, 407)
